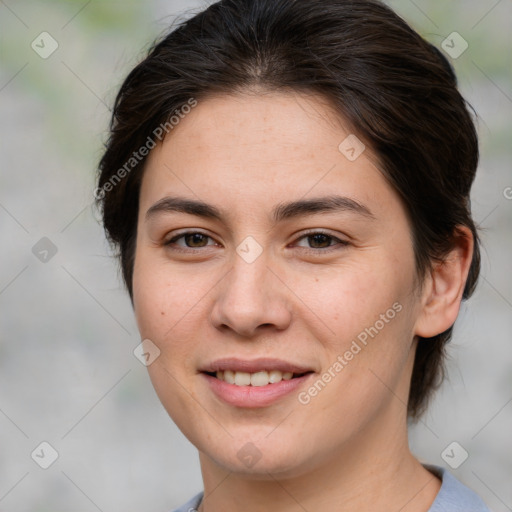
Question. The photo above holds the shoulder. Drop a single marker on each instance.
(454, 496)
(191, 505)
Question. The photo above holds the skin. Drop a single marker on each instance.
(245, 154)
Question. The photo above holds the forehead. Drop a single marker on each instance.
(248, 128)
(246, 150)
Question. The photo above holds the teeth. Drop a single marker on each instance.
(275, 376)
(242, 378)
(259, 379)
(253, 379)
(229, 376)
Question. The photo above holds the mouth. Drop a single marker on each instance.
(254, 383)
(257, 379)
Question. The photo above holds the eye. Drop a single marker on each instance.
(320, 242)
(193, 240)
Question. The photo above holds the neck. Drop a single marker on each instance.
(375, 470)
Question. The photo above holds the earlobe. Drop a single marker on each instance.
(443, 289)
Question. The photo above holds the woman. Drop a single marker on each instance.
(288, 183)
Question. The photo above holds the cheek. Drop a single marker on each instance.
(369, 312)
(161, 295)
(353, 297)
(168, 309)
(156, 308)
(165, 317)
(148, 298)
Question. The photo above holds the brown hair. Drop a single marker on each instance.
(397, 91)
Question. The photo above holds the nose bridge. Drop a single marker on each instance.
(249, 295)
(248, 280)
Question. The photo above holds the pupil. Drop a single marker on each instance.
(319, 237)
(195, 238)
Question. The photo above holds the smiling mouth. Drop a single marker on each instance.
(257, 379)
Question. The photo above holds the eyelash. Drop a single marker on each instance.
(316, 251)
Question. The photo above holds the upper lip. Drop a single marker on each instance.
(254, 365)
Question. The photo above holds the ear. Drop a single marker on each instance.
(443, 288)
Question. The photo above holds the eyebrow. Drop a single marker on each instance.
(281, 212)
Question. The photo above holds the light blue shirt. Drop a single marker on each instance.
(452, 497)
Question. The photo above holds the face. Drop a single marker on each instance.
(300, 265)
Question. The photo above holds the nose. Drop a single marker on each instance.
(252, 298)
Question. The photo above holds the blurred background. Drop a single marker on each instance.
(68, 375)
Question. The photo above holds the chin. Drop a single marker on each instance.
(260, 460)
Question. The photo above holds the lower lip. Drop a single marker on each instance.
(254, 396)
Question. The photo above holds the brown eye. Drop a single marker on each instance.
(195, 238)
(319, 242)
(192, 239)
